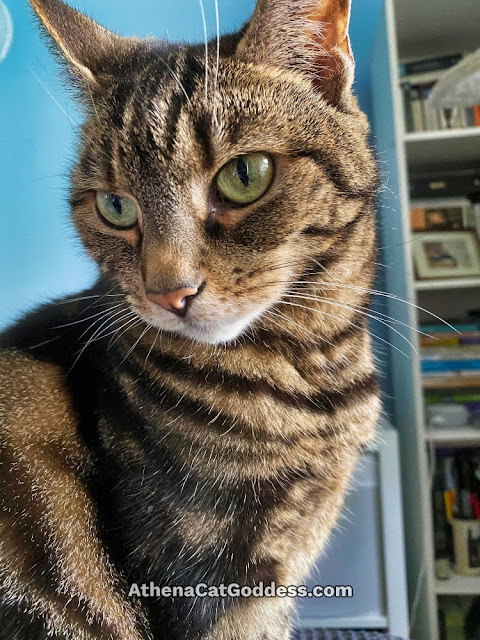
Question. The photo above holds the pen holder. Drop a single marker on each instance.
(466, 545)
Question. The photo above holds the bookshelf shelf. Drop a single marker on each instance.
(462, 435)
(450, 382)
(441, 135)
(452, 283)
(458, 585)
(430, 150)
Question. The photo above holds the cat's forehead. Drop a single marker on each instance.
(181, 101)
(165, 85)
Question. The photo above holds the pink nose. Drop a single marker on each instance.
(174, 301)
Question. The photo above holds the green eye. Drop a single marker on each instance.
(118, 210)
(246, 178)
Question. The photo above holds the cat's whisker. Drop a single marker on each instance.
(92, 337)
(130, 324)
(106, 331)
(392, 296)
(153, 345)
(217, 69)
(51, 177)
(107, 313)
(132, 348)
(389, 266)
(173, 74)
(373, 311)
(47, 90)
(95, 304)
(69, 300)
(357, 310)
(205, 35)
(351, 324)
(284, 265)
(90, 341)
(294, 263)
(95, 315)
(99, 331)
(72, 122)
(374, 292)
(271, 317)
(285, 318)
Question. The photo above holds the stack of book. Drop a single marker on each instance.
(447, 353)
(417, 81)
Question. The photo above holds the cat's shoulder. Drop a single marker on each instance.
(35, 402)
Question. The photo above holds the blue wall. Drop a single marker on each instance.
(40, 256)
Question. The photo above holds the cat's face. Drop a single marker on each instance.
(205, 195)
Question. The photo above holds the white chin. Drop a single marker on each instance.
(214, 333)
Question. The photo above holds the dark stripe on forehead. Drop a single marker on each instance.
(186, 81)
(107, 153)
(121, 95)
(138, 133)
(202, 128)
(155, 76)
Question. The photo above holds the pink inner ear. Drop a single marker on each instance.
(329, 79)
(335, 15)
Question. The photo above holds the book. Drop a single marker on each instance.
(417, 79)
(470, 117)
(447, 372)
(450, 339)
(418, 218)
(431, 114)
(453, 118)
(476, 114)
(451, 359)
(461, 327)
(416, 108)
(421, 116)
(443, 397)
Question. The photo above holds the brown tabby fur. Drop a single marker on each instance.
(217, 448)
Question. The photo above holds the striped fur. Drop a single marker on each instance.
(215, 448)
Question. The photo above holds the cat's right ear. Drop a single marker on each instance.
(308, 36)
(90, 50)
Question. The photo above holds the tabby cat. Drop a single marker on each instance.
(196, 416)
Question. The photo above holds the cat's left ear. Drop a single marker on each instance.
(90, 50)
(306, 35)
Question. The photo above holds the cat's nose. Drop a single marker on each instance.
(176, 301)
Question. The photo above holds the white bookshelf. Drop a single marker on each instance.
(427, 150)
(409, 30)
(444, 136)
(452, 283)
(463, 436)
(458, 585)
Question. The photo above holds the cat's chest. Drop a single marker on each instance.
(200, 470)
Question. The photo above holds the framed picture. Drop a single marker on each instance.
(443, 214)
(446, 254)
